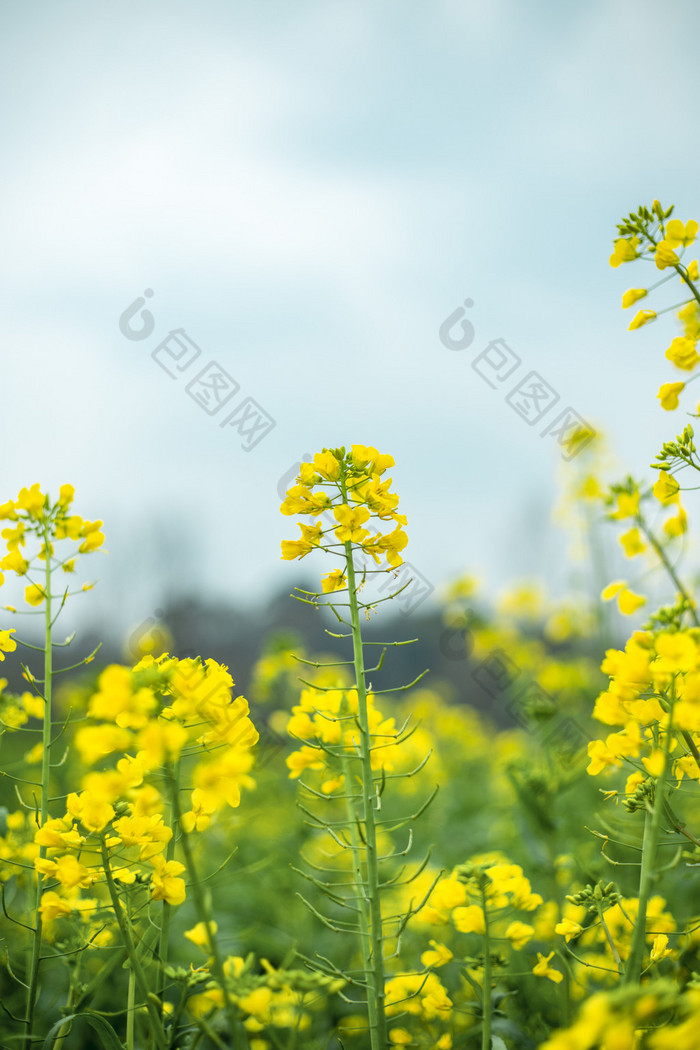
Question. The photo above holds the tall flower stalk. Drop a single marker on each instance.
(342, 734)
(45, 774)
(35, 519)
(372, 946)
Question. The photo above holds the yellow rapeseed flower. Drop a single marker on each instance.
(666, 488)
(519, 933)
(664, 256)
(641, 318)
(333, 581)
(438, 955)
(53, 907)
(632, 296)
(469, 919)
(198, 934)
(632, 543)
(32, 500)
(34, 595)
(683, 354)
(679, 235)
(543, 969)
(624, 250)
(676, 525)
(668, 395)
(166, 884)
(7, 644)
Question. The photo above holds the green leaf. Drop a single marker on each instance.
(497, 1043)
(109, 1038)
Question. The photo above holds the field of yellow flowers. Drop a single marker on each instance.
(402, 873)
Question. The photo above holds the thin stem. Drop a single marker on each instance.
(167, 908)
(130, 1011)
(611, 942)
(33, 986)
(598, 575)
(359, 882)
(203, 909)
(372, 948)
(683, 274)
(486, 983)
(134, 961)
(663, 557)
(65, 1028)
(652, 824)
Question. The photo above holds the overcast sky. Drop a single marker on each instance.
(309, 190)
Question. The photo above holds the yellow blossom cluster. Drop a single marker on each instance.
(16, 845)
(347, 490)
(654, 692)
(625, 505)
(277, 998)
(326, 722)
(16, 711)
(155, 717)
(593, 938)
(654, 1016)
(652, 233)
(420, 995)
(32, 516)
(484, 893)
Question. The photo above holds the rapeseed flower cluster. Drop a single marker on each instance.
(276, 998)
(653, 703)
(598, 928)
(33, 518)
(633, 504)
(483, 895)
(150, 719)
(655, 1016)
(348, 492)
(651, 235)
(325, 721)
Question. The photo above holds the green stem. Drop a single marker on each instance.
(566, 999)
(611, 942)
(64, 1030)
(204, 915)
(167, 912)
(683, 274)
(360, 886)
(130, 1011)
(664, 559)
(101, 978)
(128, 941)
(372, 948)
(599, 577)
(486, 984)
(652, 825)
(33, 984)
